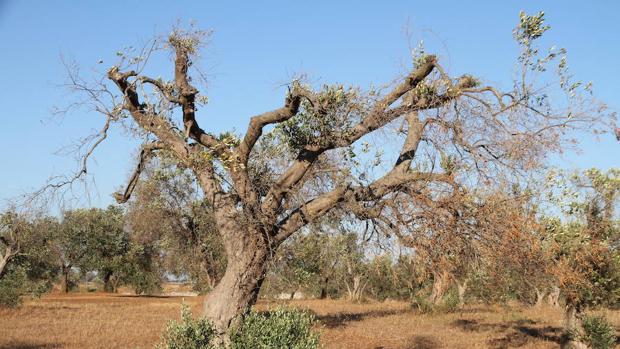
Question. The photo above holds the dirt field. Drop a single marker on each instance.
(91, 320)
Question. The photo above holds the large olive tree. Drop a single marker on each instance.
(308, 157)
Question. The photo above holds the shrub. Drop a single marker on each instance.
(450, 302)
(277, 329)
(13, 285)
(10, 293)
(188, 333)
(422, 304)
(599, 333)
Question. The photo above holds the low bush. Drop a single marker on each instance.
(10, 292)
(188, 333)
(422, 305)
(277, 329)
(599, 333)
(450, 303)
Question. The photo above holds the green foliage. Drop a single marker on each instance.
(140, 270)
(30, 268)
(92, 240)
(337, 111)
(167, 215)
(585, 243)
(450, 302)
(530, 27)
(422, 304)
(599, 333)
(277, 329)
(315, 263)
(12, 287)
(20, 280)
(188, 333)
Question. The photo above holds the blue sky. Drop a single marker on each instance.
(255, 48)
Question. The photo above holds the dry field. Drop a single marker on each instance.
(94, 320)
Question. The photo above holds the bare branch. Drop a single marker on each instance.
(146, 153)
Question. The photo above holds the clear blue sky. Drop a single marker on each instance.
(257, 46)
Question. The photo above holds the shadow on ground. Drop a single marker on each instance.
(25, 345)
(422, 342)
(515, 333)
(341, 319)
(419, 342)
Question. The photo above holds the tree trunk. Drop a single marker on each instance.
(66, 270)
(461, 288)
(356, 290)
(4, 260)
(324, 289)
(540, 297)
(238, 290)
(573, 328)
(553, 299)
(440, 283)
(108, 285)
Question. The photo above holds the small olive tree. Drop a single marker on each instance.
(25, 263)
(586, 259)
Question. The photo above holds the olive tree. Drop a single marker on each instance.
(168, 216)
(586, 261)
(11, 231)
(90, 240)
(25, 263)
(266, 184)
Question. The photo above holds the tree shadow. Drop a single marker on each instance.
(422, 342)
(341, 319)
(24, 345)
(148, 296)
(517, 333)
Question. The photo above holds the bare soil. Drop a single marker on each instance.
(98, 320)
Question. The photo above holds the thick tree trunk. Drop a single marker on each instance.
(238, 290)
(440, 283)
(573, 328)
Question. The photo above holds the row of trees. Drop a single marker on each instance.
(162, 235)
(559, 246)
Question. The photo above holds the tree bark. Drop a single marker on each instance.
(573, 328)
(238, 290)
(66, 270)
(461, 288)
(324, 288)
(553, 299)
(540, 297)
(440, 283)
(355, 291)
(4, 260)
(108, 285)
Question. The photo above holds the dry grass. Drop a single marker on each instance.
(93, 320)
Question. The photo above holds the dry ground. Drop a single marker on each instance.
(94, 320)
